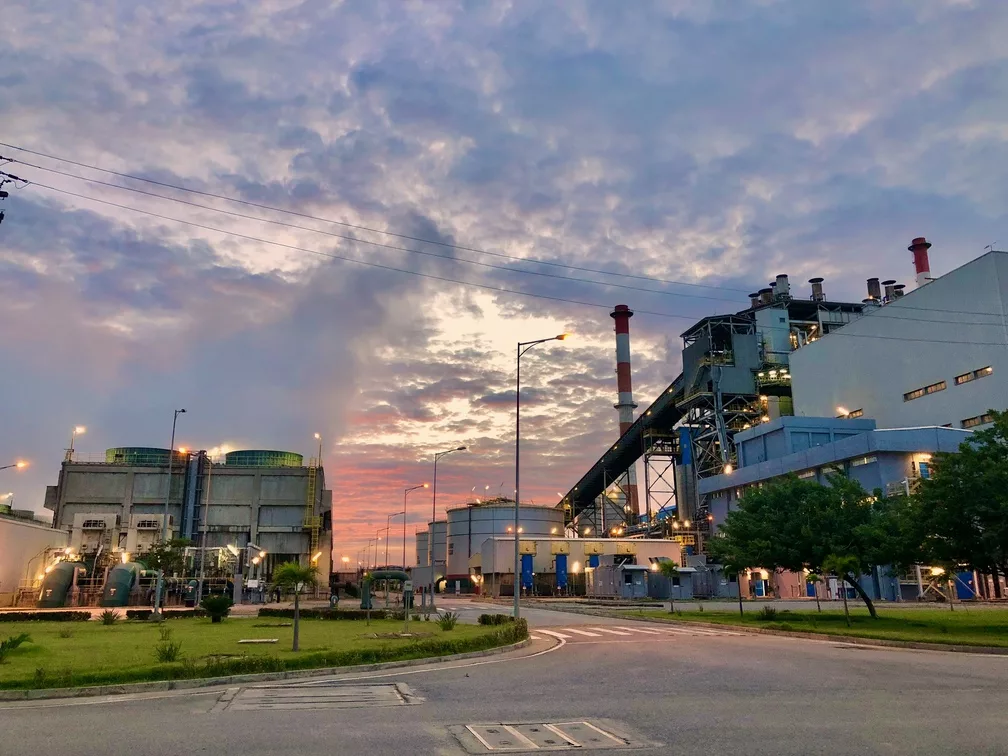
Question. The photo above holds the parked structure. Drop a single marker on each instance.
(27, 548)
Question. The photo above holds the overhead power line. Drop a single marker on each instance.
(489, 287)
(381, 245)
(440, 243)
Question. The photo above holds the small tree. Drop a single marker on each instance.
(296, 577)
(843, 566)
(814, 579)
(670, 570)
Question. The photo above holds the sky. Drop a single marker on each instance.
(523, 166)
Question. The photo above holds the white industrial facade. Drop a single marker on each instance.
(935, 357)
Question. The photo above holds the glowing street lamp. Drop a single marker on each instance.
(20, 465)
(523, 347)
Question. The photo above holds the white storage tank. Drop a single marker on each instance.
(471, 525)
(440, 541)
(421, 548)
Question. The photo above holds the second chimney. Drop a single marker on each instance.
(890, 293)
(765, 296)
(874, 290)
(922, 265)
(817, 290)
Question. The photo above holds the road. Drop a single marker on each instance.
(659, 689)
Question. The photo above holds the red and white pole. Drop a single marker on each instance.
(922, 265)
(625, 406)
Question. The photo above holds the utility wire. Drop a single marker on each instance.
(489, 287)
(450, 258)
(449, 245)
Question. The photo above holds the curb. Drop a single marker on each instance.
(851, 639)
(209, 682)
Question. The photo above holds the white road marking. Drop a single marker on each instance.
(555, 634)
(535, 637)
(639, 630)
(581, 632)
(608, 630)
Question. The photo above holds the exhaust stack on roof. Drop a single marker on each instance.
(782, 285)
(817, 290)
(922, 265)
(874, 291)
(890, 292)
(754, 299)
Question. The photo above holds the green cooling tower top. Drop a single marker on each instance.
(263, 458)
(141, 456)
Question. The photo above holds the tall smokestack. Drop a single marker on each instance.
(922, 265)
(625, 406)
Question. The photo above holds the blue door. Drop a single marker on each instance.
(526, 576)
(593, 560)
(561, 571)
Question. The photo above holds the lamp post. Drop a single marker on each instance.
(430, 535)
(240, 555)
(522, 348)
(203, 533)
(164, 522)
(20, 465)
(79, 430)
(405, 494)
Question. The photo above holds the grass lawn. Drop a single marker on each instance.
(92, 653)
(968, 627)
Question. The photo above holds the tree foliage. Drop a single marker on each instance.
(296, 577)
(168, 556)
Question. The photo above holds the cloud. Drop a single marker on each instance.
(707, 142)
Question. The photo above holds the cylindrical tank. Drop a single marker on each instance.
(421, 548)
(874, 289)
(782, 286)
(120, 582)
(470, 526)
(818, 295)
(263, 458)
(765, 296)
(143, 456)
(439, 531)
(56, 585)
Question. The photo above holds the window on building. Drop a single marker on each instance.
(973, 375)
(93, 525)
(451, 548)
(855, 413)
(863, 461)
(973, 422)
(806, 474)
(918, 393)
(148, 524)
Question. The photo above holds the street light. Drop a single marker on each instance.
(430, 535)
(522, 348)
(405, 494)
(20, 465)
(164, 522)
(388, 534)
(79, 430)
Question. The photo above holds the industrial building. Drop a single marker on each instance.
(112, 508)
(937, 356)
(25, 545)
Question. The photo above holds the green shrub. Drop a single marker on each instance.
(447, 620)
(165, 633)
(11, 643)
(766, 614)
(217, 607)
(65, 632)
(145, 614)
(495, 619)
(109, 617)
(416, 617)
(67, 616)
(168, 651)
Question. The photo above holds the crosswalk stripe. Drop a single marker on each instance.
(555, 634)
(608, 630)
(581, 632)
(639, 630)
(535, 637)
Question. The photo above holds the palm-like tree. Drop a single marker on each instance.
(296, 577)
(844, 567)
(814, 579)
(670, 570)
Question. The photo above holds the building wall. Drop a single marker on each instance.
(932, 334)
(21, 544)
(260, 505)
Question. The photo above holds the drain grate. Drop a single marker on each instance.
(289, 697)
(501, 737)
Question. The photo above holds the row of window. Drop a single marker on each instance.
(973, 422)
(941, 385)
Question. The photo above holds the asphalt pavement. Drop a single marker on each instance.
(585, 684)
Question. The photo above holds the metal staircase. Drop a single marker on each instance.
(312, 522)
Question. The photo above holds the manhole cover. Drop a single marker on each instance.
(503, 737)
(333, 696)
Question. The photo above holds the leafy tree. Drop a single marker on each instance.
(670, 570)
(295, 577)
(792, 524)
(168, 556)
(842, 566)
(965, 502)
(814, 579)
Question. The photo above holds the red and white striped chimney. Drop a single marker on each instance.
(625, 406)
(922, 265)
